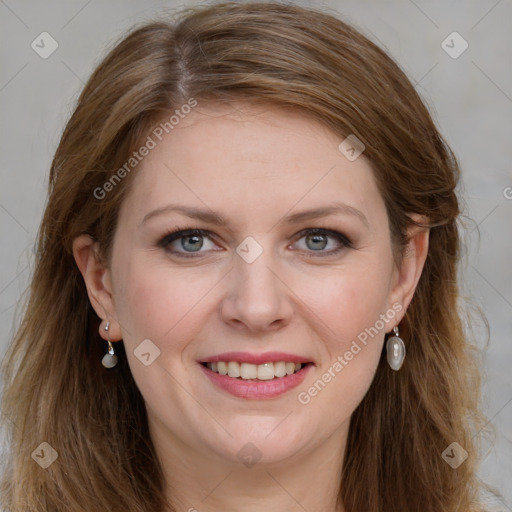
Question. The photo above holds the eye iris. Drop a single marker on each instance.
(192, 243)
(316, 242)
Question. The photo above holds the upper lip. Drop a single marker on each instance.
(248, 357)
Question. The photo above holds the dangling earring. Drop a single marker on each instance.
(395, 349)
(109, 359)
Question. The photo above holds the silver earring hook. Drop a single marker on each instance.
(109, 359)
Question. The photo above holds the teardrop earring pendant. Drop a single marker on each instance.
(109, 359)
(395, 349)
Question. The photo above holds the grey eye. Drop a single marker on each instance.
(322, 241)
(188, 241)
(192, 243)
(316, 242)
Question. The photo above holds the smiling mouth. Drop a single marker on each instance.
(249, 371)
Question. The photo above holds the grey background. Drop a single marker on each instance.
(470, 97)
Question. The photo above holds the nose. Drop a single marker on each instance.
(257, 300)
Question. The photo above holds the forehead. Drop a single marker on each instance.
(250, 158)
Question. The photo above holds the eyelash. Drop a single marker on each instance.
(177, 234)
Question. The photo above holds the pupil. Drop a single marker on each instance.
(316, 242)
(192, 243)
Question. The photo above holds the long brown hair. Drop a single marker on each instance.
(56, 390)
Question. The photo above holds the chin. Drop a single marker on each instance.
(261, 447)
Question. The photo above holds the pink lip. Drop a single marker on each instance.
(255, 389)
(246, 357)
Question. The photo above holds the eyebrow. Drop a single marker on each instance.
(211, 217)
(324, 211)
(194, 213)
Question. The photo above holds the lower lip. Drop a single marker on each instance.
(257, 389)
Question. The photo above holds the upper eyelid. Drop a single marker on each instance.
(325, 231)
(181, 233)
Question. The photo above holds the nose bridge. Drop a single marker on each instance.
(256, 298)
(255, 281)
(256, 276)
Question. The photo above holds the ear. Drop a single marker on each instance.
(408, 274)
(98, 281)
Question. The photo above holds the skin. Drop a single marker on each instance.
(253, 166)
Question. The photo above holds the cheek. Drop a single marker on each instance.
(352, 318)
(347, 302)
(168, 308)
(156, 301)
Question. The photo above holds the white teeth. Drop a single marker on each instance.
(266, 371)
(280, 369)
(233, 369)
(247, 371)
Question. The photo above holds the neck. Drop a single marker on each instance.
(199, 482)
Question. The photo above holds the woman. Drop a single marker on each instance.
(245, 291)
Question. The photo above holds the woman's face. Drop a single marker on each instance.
(286, 258)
